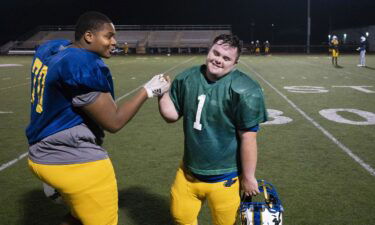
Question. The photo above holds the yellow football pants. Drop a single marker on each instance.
(188, 194)
(335, 53)
(89, 189)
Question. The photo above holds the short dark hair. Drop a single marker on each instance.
(89, 21)
(230, 39)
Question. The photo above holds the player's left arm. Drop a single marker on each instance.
(249, 156)
(167, 109)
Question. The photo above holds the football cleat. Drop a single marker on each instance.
(52, 194)
(267, 212)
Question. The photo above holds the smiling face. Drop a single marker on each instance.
(102, 41)
(221, 59)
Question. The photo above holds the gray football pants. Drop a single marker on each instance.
(362, 58)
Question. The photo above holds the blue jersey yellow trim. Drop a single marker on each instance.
(58, 74)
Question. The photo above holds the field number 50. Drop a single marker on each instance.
(368, 118)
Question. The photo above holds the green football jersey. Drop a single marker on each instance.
(212, 113)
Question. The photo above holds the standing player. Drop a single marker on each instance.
(252, 47)
(334, 45)
(257, 47)
(362, 52)
(266, 47)
(72, 102)
(126, 48)
(222, 108)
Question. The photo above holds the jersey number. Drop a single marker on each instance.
(197, 123)
(40, 72)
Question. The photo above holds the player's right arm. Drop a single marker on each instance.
(167, 109)
(111, 117)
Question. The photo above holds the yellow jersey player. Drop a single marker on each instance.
(334, 46)
(266, 48)
(126, 48)
(257, 47)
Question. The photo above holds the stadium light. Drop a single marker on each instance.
(329, 37)
(367, 34)
(345, 36)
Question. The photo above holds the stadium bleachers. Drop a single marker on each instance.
(163, 39)
(133, 38)
(59, 35)
(198, 38)
(138, 38)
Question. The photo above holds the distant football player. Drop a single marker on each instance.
(334, 46)
(126, 48)
(362, 52)
(257, 47)
(266, 47)
(72, 102)
(252, 47)
(222, 108)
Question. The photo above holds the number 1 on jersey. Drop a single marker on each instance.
(197, 123)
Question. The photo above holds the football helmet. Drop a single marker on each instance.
(267, 212)
(363, 38)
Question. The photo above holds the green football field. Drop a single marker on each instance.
(318, 149)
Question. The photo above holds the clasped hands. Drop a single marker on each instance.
(157, 86)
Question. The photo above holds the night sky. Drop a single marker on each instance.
(250, 19)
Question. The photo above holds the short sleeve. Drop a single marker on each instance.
(85, 99)
(175, 95)
(250, 109)
(86, 74)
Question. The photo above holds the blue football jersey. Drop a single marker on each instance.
(58, 74)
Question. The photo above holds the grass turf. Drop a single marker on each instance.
(317, 181)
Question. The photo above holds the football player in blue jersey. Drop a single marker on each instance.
(362, 52)
(222, 108)
(72, 102)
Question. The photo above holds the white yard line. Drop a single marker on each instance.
(10, 65)
(349, 152)
(14, 161)
(18, 85)
(167, 71)
(8, 164)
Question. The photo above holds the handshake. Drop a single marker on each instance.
(157, 86)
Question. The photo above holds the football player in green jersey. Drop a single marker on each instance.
(222, 108)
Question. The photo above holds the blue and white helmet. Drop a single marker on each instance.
(267, 212)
